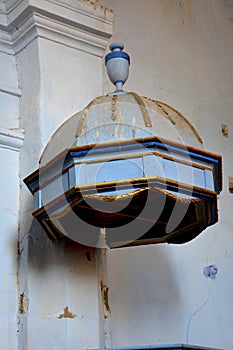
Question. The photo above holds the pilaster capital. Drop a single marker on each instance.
(82, 25)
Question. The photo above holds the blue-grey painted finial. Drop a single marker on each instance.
(117, 63)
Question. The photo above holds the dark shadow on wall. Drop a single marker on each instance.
(43, 253)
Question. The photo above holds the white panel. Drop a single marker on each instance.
(120, 170)
(209, 180)
(52, 190)
(170, 169)
(72, 181)
(199, 177)
(81, 175)
(153, 166)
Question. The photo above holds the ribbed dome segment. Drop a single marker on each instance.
(121, 117)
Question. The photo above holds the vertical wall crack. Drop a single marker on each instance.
(194, 314)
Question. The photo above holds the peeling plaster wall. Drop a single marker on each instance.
(11, 139)
(52, 295)
(57, 278)
(181, 54)
(9, 194)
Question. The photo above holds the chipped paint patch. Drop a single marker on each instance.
(66, 314)
(225, 131)
(88, 255)
(92, 2)
(23, 303)
(105, 299)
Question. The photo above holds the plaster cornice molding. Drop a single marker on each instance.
(77, 24)
(11, 139)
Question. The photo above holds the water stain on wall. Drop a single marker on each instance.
(225, 131)
(23, 303)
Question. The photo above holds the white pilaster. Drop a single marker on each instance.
(59, 47)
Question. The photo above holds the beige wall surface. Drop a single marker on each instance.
(181, 54)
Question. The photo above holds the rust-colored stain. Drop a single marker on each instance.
(23, 303)
(92, 2)
(167, 115)
(230, 180)
(225, 131)
(105, 299)
(66, 314)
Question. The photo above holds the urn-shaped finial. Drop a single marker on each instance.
(117, 63)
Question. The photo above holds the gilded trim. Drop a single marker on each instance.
(85, 115)
(144, 111)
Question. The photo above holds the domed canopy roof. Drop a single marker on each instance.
(126, 116)
(121, 116)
